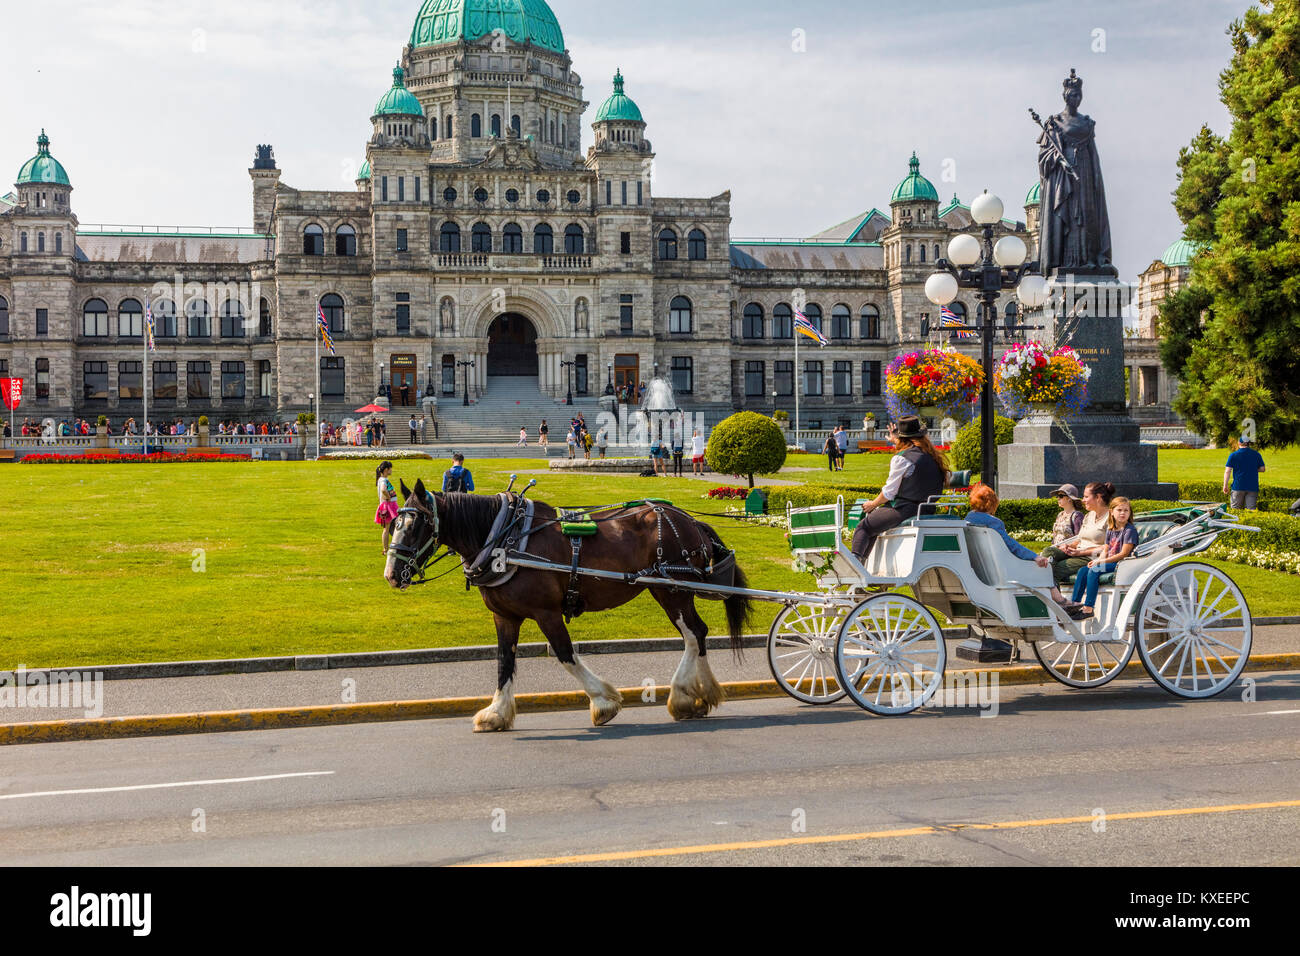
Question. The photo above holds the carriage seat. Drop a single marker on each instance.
(995, 565)
(1147, 531)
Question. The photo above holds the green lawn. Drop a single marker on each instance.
(1282, 465)
(111, 564)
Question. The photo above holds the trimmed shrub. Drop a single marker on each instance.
(203, 421)
(747, 444)
(101, 421)
(967, 451)
(805, 496)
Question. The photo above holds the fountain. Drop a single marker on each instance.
(658, 408)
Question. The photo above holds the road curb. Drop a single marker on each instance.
(437, 655)
(288, 718)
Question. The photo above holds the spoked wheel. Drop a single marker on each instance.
(1089, 664)
(801, 651)
(890, 655)
(1190, 624)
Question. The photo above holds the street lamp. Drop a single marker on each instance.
(988, 269)
(428, 380)
(609, 387)
(568, 372)
(774, 397)
(380, 392)
(467, 365)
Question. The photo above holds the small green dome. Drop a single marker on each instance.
(43, 168)
(399, 101)
(915, 186)
(364, 174)
(454, 21)
(619, 107)
(1035, 195)
(1181, 253)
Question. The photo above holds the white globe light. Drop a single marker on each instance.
(964, 250)
(986, 209)
(941, 288)
(1010, 251)
(1032, 291)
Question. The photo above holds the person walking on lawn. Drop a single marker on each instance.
(544, 437)
(842, 446)
(457, 479)
(1244, 467)
(697, 453)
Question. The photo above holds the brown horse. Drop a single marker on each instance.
(630, 539)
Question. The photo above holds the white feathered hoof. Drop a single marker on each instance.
(605, 709)
(697, 700)
(489, 721)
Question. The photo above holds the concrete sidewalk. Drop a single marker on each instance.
(284, 689)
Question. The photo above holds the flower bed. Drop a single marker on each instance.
(938, 378)
(727, 493)
(106, 458)
(381, 454)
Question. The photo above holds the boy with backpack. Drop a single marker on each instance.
(457, 479)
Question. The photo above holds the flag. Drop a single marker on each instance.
(325, 330)
(948, 319)
(801, 324)
(148, 326)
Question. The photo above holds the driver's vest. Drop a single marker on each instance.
(925, 480)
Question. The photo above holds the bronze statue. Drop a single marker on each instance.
(1074, 228)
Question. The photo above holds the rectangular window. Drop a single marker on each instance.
(130, 380)
(580, 375)
(754, 379)
(625, 192)
(164, 381)
(609, 192)
(870, 378)
(683, 374)
(232, 380)
(383, 188)
(401, 189)
(417, 188)
(401, 240)
(812, 378)
(43, 378)
(403, 320)
(95, 381)
(333, 377)
(198, 380)
(843, 374)
(42, 321)
(4, 368)
(640, 193)
(783, 377)
(625, 243)
(264, 378)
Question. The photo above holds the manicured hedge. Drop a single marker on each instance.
(805, 496)
(1274, 498)
(1277, 533)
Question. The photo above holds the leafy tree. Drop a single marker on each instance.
(747, 443)
(1180, 325)
(968, 449)
(1242, 196)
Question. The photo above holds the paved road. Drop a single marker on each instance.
(431, 792)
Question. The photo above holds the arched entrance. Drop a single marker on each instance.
(512, 346)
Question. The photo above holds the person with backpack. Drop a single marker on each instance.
(457, 479)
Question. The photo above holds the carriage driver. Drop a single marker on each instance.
(917, 472)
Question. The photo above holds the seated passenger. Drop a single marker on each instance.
(1121, 539)
(1073, 554)
(918, 472)
(983, 506)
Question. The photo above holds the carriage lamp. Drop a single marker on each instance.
(987, 268)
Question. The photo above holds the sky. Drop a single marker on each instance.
(807, 112)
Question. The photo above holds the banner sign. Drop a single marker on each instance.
(12, 391)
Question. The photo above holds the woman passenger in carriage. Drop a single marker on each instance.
(918, 472)
(983, 506)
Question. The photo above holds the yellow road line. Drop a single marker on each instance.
(875, 835)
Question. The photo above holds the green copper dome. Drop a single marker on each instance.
(1035, 195)
(915, 186)
(364, 173)
(399, 101)
(451, 21)
(1181, 253)
(619, 107)
(43, 168)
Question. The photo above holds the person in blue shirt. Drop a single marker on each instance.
(1245, 465)
(983, 506)
(457, 479)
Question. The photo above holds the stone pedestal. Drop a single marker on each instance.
(1103, 443)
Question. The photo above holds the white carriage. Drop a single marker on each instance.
(865, 637)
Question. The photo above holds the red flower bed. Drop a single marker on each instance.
(728, 493)
(106, 458)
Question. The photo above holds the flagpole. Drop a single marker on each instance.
(145, 424)
(319, 398)
(797, 385)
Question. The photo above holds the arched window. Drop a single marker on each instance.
(697, 245)
(449, 238)
(543, 240)
(753, 322)
(58, 242)
(264, 319)
(22, 242)
(813, 313)
(552, 139)
(433, 128)
(782, 322)
(922, 249)
(232, 320)
(345, 241)
(841, 322)
(574, 242)
(40, 242)
(937, 257)
(332, 306)
(164, 318)
(907, 254)
(476, 126)
(512, 238)
(198, 325)
(481, 238)
(1011, 318)
(869, 326)
(496, 125)
(130, 319)
(959, 310)
(667, 244)
(313, 241)
(4, 316)
(447, 127)
(517, 125)
(679, 315)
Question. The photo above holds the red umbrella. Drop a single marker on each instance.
(371, 410)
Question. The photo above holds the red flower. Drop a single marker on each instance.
(1039, 360)
(910, 361)
(918, 381)
(936, 376)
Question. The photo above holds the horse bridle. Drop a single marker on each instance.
(414, 560)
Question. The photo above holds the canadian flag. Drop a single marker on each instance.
(12, 390)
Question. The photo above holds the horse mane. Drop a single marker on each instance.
(466, 521)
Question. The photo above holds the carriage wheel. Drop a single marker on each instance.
(801, 651)
(1088, 664)
(1191, 619)
(890, 655)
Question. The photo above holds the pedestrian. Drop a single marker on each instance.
(1244, 467)
(831, 451)
(523, 438)
(697, 453)
(602, 440)
(587, 442)
(678, 450)
(571, 440)
(457, 479)
(414, 426)
(842, 444)
(543, 437)
(386, 514)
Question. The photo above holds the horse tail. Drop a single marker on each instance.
(739, 607)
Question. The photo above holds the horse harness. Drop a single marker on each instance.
(414, 561)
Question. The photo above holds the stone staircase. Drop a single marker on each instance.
(509, 404)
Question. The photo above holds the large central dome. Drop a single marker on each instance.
(451, 21)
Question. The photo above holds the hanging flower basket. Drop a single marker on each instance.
(1030, 380)
(936, 383)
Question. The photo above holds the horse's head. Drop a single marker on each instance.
(415, 536)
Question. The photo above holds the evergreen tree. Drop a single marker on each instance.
(1242, 196)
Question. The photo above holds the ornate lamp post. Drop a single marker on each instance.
(568, 374)
(609, 387)
(428, 381)
(988, 269)
(467, 365)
